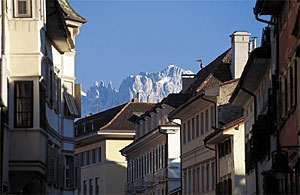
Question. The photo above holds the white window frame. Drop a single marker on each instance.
(28, 13)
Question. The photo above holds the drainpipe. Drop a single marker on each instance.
(1, 102)
(255, 115)
(166, 158)
(215, 150)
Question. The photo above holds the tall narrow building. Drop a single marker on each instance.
(39, 95)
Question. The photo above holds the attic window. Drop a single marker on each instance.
(22, 8)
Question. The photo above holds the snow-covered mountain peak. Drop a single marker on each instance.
(152, 87)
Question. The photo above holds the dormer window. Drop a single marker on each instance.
(22, 8)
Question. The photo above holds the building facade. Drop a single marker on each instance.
(154, 157)
(40, 96)
(99, 138)
(229, 141)
(211, 88)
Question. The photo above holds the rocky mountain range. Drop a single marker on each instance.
(152, 87)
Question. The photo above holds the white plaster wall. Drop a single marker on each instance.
(53, 119)
(174, 159)
(68, 65)
(68, 128)
(239, 179)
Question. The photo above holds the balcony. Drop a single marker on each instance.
(139, 184)
(149, 180)
(128, 188)
(161, 174)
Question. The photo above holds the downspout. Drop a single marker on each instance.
(1, 102)
(167, 159)
(255, 115)
(215, 150)
(275, 77)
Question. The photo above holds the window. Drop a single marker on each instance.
(206, 120)
(189, 182)
(197, 126)
(213, 180)
(189, 130)
(202, 123)
(185, 183)
(68, 171)
(87, 157)
(22, 8)
(146, 126)
(198, 182)
(207, 177)
(85, 187)
(99, 154)
(184, 134)
(194, 181)
(202, 178)
(24, 104)
(193, 128)
(91, 186)
(94, 156)
(212, 116)
(82, 159)
(97, 184)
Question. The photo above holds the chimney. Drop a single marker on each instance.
(240, 52)
(187, 81)
(137, 99)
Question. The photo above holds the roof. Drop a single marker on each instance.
(219, 69)
(174, 100)
(115, 119)
(69, 12)
(228, 113)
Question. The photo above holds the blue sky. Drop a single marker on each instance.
(127, 37)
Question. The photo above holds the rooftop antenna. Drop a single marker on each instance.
(200, 61)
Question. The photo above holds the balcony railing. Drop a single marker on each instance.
(139, 184)
(128, 187)
(161, 174)
(149, 180)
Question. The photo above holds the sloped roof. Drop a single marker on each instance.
(101, 118)
(69, 12)
(115, 119)
(229, 113)
(174, 100)
(121, 122)
(219, 68)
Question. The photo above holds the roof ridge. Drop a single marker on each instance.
(115, 117)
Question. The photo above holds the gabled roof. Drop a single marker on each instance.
(69, 13)
(115, 119)
(174, 100)
(219, 69)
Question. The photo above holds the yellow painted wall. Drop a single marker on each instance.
(112, 170)
(113, 148)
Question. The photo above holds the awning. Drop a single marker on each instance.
(71, 104)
